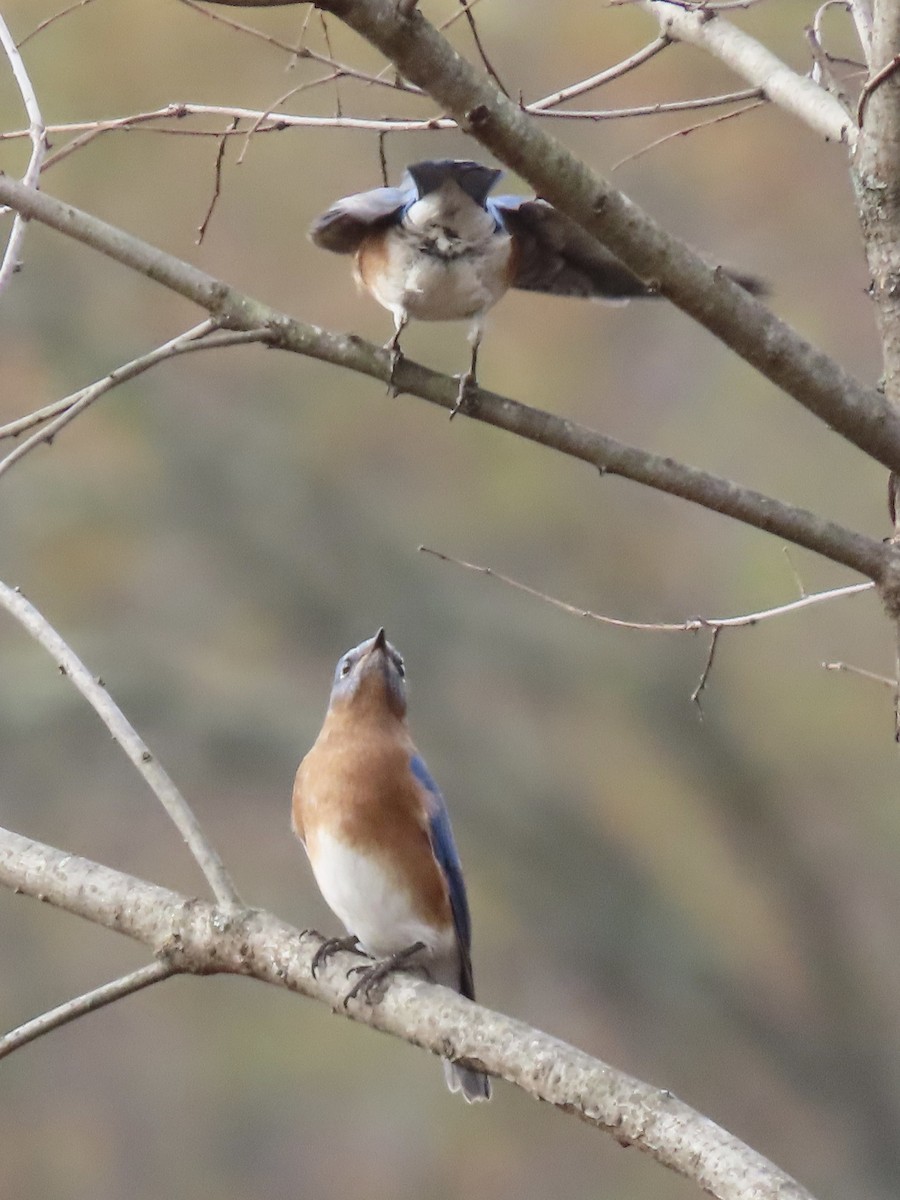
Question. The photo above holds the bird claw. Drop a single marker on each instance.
(372, 974)
(467, 383)
(331, 946)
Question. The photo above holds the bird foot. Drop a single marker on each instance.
(331, 946)
(370, 976)
(467, 383)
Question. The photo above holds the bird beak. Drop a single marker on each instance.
(380, 641)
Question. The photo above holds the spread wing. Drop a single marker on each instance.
(559, 257)
(342, 227)
(445, 852)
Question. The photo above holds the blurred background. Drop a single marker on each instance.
(710, 904)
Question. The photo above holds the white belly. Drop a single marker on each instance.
(431, 288)
(368, 902)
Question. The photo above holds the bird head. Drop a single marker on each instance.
(371, 674)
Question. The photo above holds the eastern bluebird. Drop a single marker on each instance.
(439, 248)
(378, 837)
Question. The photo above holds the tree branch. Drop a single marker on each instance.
(234, 310)
(11, 258)
(690, 625)
(99, 997)
(58, 414)
(198, 938)
(796, 94)
(125, 736)
(422, 55)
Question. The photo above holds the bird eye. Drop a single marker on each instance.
(401, 670)
(345, 668)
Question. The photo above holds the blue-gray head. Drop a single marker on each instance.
(475, 179)
(371, 675)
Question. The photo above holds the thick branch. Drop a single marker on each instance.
(199, 938)
(877, 181)
(423, 56)
(796, 94)
(234, 310)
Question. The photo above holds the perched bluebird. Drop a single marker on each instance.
(440, 248)
(378, 837)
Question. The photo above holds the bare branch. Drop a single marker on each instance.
(63, 411)
(303, 52)
(863, 674)
(691, 625)
(196, 937)
(794, 93)
(736, 318)
(37, 133)
(707, 668)
(476, 38)
(650, 110)
(234, 310)
(50, 20)
(217, 183)
(125, 735)
(684, 131)
(595, 81)
(822, 72)
(872, 84)
(135, 981)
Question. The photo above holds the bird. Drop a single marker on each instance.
(378, 837)
(439, 247)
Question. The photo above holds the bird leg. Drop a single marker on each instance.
(331, 946)
(469, 379)
(371, 976)
(401, 320)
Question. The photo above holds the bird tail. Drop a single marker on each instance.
(474, 1085)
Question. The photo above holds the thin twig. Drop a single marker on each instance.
(217, 184)
(648, 110)
(126, 985)
(863, 674)
(872, 84)
(476, 37)
(696, 6)
(704, 674)
(50, 20)
(691, 625)
(796, 574)
(821, 72)
(595, 81)
(126, 736)
(302, 51)
(337, 76)
(38, 135)
(200, 337)
(687, 129)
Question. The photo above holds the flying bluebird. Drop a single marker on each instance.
(440, 248)
(378, 837)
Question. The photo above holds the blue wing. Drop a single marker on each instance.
(342, 227)
(445, 852)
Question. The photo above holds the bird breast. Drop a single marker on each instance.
(445, 261)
